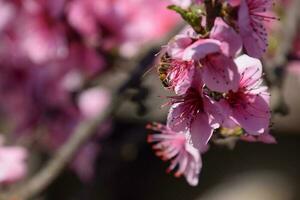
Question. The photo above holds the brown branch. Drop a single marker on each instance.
(62, 157)
(85, 130)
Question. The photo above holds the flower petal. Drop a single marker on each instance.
(201, 131)
(195, 164)
(253, 33)
(220, 74)
(174, 120)
(177, 45)
(266, 138)
(186, 80)
(250, 70)
(201, 48)
(231, 41)
(254, 116)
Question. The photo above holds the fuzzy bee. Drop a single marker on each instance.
(162, 69)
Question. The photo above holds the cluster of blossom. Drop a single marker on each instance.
(216, 76)
(51, 53)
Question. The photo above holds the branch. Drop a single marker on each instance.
(85, 130)
(62, 157)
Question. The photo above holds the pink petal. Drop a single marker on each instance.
(215, 111)
(248, 138)
(221, 112)
(7, 14)
(201, 131)
(186, 81)
(244, 17)
(81, 18)
(266, 138)
(231, 41)
(220, 74)
(174, 120)
(254, 40)
(250, 70)
(43, 43)
(93, 101)
(201, 48)
(195, 164)
(253, 45)
(254, 116)
(176, 46)
(229, 123)
(12, 164)
(234, 3)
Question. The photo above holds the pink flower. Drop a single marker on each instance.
(82, 18)
(93, 101)
(121, 23)
(180, 42)
(251, 18)
(175, 146)
(139, 31)
(195, 112)
(179, 74)
(7, 13)
(213, 56)
(249, 105)
(12, 164)
(43, 41)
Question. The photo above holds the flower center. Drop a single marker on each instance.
(236, 98)
(177, 71)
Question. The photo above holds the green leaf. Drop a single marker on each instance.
(192, 17)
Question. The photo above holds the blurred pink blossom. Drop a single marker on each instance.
(12, 163)
(93, 102)
(7, 13)
(126, 24)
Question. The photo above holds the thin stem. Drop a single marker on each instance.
(213, 10)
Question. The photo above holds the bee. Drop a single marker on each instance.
(162, 69)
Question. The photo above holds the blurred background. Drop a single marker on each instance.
(64, 62)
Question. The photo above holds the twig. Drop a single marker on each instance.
(62, 157)
(84, 132)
